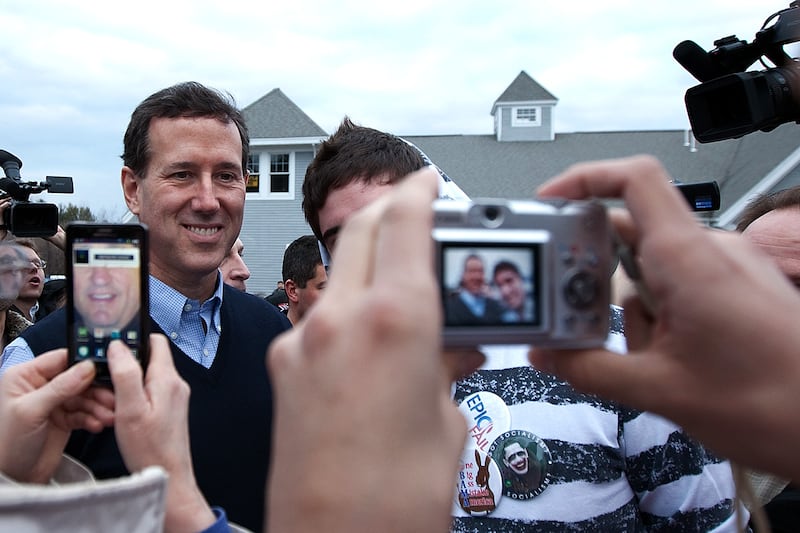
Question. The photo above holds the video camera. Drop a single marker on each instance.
(24, 218)
(729, 102)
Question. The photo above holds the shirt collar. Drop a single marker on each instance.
(166, 303)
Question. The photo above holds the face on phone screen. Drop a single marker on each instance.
(106, 295)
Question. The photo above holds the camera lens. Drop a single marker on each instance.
(491, 213)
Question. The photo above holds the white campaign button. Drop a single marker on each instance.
(487, 418)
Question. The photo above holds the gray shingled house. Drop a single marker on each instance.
(523, 151)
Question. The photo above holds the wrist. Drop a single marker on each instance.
(186, 509)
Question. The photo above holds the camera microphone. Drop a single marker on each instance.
(695, 60)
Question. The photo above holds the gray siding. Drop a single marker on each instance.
(509, 133)
(268, 227)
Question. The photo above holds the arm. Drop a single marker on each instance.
(380, 421)
(718, 354)
(15, 353)
(152, 429)
(59, 239)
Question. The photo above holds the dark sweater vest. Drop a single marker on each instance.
(230, 408)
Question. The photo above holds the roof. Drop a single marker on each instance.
(524, 89)
(274, 115)
(484, 167)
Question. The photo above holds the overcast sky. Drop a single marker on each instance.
(72, 72)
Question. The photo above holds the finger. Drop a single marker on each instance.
(462, 363)
(160, 367)
(628, 379)
(354, 253)
(126, 375)
(97, 401)
(88, 421)
(638, 323)
(641, 181)
(403, 252)
(624, 225)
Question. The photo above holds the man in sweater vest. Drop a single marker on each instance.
(184, 174)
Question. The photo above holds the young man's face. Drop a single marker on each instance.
(192, 197)
(307, 296)
(342, 203)
(776, 233)
(509, 283)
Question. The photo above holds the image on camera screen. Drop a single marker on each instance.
(490, 284)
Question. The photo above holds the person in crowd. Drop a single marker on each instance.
(278, 297)
(185, 154)
(628, 468)
(304, 276)
(518, 301)
(470, 304)
(234, 270)
(54, 296)
(13, 264)
(772, 223)
(27, 303)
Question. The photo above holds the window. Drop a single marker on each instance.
(276, 182)
(526, 116)
(253, 169)
(279, 173)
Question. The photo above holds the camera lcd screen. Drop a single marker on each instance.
(485, 284)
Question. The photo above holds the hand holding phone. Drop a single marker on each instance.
(107, 292)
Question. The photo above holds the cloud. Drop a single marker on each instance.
(73, 71)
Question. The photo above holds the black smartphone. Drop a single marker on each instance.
(107, 292)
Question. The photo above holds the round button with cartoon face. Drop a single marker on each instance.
(524, 461)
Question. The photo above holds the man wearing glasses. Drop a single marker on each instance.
(27, 303)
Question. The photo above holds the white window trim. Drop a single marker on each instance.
(526, 123)
(264, 177)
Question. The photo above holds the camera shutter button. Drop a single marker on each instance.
(580, 291)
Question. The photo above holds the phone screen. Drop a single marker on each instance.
(107, 292)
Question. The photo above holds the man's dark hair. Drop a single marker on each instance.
(505, 265)
(300, 260)
(354, 153)
(763, 204)
(188, 99)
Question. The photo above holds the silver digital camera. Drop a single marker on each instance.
(523, 272)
